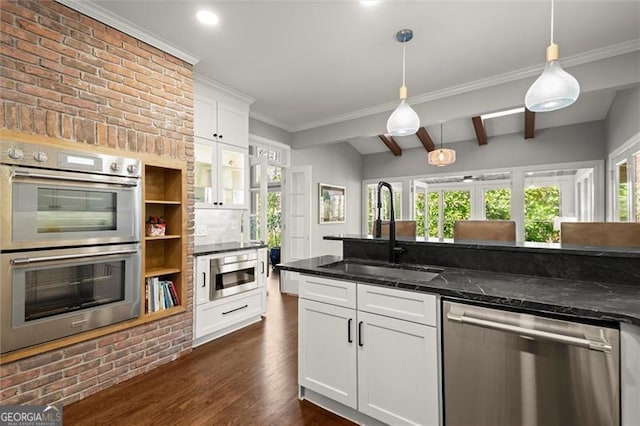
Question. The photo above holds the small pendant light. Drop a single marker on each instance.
(404, 120)
(555, 88)
(441, 157)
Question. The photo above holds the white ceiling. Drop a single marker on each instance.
(311, 63)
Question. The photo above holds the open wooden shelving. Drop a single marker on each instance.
(165, 256)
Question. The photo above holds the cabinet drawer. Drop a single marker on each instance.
(401, 304)
(214, 316)
(335, 292)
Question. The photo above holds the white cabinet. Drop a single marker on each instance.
(220, 175)
(326, 350)
(373, 349)
(397, 370)
(217, 317)
(630, 373)
(220, 122)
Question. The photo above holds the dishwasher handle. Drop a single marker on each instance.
(532, 333)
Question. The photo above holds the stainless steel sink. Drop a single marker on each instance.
(403, 274)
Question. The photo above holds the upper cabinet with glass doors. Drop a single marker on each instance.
(220, 175)
(221, 146)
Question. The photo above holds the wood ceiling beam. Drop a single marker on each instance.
(391, 144)
(481, 132)
(529, 124)
(426, 140)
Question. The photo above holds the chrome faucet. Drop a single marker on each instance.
(393, 250)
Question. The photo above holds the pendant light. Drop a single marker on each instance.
(555, 88)
(404, 120)
(442, 157)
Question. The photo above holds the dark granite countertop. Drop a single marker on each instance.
(573, 299)
(202, 249)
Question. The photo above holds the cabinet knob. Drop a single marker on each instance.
(215, 135)
(220, 136)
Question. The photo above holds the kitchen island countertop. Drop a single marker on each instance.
(574, 299)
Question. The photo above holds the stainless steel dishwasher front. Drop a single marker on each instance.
(503, 368)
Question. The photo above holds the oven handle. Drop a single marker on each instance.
(77, 178)
(28, 260)
(231, 267)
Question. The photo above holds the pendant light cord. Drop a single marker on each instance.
(404, 55)
(551, 21)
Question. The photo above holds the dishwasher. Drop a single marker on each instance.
(502, 368)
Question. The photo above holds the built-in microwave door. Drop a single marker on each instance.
(65, 209)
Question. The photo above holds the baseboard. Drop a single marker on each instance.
(337, 408)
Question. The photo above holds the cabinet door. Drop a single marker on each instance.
(204, 118)
(397, 370)
(233, 126)
(232, 177)
(204, 181)
(262, 267)
(326, 350)
(202, 279)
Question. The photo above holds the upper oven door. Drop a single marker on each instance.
(43, 208)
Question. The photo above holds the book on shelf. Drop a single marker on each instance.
(160, 294)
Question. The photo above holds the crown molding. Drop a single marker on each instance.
(272, 121)
(569, 61)
(223, 88)
(96, 12)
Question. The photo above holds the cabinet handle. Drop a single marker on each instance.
(204, 279)
(220, 136)
(215, 135)
(262, 266)
(360, 334)
(236, 309)
(349, 339)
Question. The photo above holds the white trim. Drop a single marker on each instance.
(569, 61)
(118, 22)
(265, 119)
(223, 88)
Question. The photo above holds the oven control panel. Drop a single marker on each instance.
(50, 157)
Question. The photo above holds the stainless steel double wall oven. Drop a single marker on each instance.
(69, 242)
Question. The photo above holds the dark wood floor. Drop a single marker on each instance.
(245, 378)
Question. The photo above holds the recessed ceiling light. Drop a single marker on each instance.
(369, 2)
(207, 17)
(502, 113)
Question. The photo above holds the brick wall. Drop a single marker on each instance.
(67, 76)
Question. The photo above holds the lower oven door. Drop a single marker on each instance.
(232, 278)
(50, 294)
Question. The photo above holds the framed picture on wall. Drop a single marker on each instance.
(331, 201)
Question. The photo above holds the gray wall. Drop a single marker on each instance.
(262, 129)
(623, 120)
(336, 164)
(579, 142)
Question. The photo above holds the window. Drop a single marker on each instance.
(622, 192)
(541, 207)
(444, 207)
(372, 204)
(497, 204)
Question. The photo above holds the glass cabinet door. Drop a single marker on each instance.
(232, 170)
(203, 172)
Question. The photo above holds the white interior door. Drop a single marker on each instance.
(296, 205)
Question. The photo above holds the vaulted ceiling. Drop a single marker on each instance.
(329, 71)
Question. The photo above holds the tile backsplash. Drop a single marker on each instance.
(219, 226)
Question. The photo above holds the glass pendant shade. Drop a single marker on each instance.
(442, 157)
(403, 121)
(554, 89)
